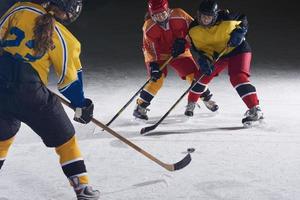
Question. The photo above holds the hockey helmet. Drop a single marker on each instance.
(156, 6)
(72, 8)
(208, 8)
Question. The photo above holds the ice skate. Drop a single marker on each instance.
(211, 105)
(140, 112)
(189, 111)
(87, 193)
(252, 117)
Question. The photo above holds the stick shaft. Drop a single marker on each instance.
(133, 97)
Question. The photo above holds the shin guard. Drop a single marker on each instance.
(72, 163)
(245, 89)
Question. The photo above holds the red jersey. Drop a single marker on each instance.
(158, 40)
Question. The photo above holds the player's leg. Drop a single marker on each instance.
(239, 72)
(147, 94)
(48, 119)
(187, 69)
(8, 129)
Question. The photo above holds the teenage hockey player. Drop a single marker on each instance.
(32, 39)
(213, 31)
(164, 35)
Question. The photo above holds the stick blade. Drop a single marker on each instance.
(147, 129)
(183, 163)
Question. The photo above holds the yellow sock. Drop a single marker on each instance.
(72, 163)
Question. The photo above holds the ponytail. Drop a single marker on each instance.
(43, 33)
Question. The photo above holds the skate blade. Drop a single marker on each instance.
(139, 120)
(251, 124)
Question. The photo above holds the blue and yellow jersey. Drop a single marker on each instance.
(212, 40)
(16, 33)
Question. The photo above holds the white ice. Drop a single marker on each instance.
(230, 163)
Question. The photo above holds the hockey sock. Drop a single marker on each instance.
(72, 163)
(4, 146)
(150, 90)
(192, 97)
(206, 96)
(245, 89)
(197, 91)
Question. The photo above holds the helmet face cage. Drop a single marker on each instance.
(208, 8)
(72, 8)
(213, 21)
(161, 17)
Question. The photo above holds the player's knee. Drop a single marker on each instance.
(239, 78)
(9, 130)
(4, 146)
(154, 87)
(190, 78)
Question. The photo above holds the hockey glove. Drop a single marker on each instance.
(237, 36)
(85, 114)
(178, 47)
(205, 65)
(154, 71)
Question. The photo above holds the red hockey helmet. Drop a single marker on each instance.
(156, 6)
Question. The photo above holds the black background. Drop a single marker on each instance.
(110, 31)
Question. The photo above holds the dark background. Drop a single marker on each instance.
(110, 31)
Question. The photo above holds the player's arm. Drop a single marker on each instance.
(225, 15)
(4, 23)
(237, 36)
(149, 48)
(67, 66)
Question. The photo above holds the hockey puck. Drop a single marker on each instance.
(190, 150)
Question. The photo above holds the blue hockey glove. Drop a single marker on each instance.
(237, 36)
(205, 65)
(85, 114)
(155, 73)
(178, 47)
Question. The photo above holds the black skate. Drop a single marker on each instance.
(189, 111)
(253, 117)
(140, 112)
(87, 193)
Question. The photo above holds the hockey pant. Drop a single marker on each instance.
(186, 69)
(24, 98)
(239, 73)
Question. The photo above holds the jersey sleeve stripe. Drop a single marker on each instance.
(65, 55)
(21, 8)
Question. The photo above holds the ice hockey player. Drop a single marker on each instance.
(32, 39)
(164, 35)
(213, 31)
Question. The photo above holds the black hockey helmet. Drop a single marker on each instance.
(209, 8)
(73, 8)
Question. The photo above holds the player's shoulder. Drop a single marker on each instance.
(149, 24)
(193, 24)
(27, 7)
(179, 12)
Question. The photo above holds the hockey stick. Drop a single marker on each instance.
(170, 167)
(150, 128)
(132, 98)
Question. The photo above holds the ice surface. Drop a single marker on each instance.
(229, 162)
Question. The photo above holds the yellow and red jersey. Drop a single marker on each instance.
(158, 40)
(16, 33)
